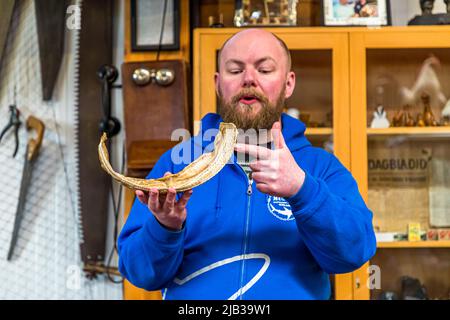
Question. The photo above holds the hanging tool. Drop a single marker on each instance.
(14, 121)
(6, 12)
(50, 25)
(31, 154)
(93, 185)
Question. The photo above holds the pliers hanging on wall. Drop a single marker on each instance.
(15, 122)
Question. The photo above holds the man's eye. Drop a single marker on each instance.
(235, 71)
(265, 71)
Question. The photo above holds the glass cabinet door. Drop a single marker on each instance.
(320, 59)
(312, 100)
(401, 156)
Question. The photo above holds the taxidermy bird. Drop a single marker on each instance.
(426, 82)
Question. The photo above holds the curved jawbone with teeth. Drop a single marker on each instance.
(199, 171)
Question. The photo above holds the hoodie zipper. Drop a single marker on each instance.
(249, 193)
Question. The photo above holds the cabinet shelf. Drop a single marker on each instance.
(411, 131)
(319, 131)
(413, 244)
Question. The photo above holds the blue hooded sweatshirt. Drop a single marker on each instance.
(239, 243)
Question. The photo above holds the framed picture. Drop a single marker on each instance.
(265, 13)
(155, 25)
(356, 13)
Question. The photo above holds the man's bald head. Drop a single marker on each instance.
(259, 34)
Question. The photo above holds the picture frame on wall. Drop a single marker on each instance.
(356, 13)
(148, 32)
(265, 13)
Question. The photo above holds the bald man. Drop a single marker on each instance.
(274, 222)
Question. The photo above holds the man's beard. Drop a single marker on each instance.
(242, 115)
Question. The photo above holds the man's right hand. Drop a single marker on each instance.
(169, 213)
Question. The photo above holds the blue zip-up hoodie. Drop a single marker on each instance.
(239, 243)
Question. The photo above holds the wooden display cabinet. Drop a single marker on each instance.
(320, 59)
(337, 73)
(392, 57)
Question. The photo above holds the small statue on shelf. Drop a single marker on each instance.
(379, 120)
(427, 17)
(420, 122)
(399, 119)
(427, 7)
(428, 116)
(403, 118)
(409, 122)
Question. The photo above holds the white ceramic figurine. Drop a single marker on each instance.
(379, 120)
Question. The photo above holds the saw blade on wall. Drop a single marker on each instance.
(50, 23)
(6, 10)
(94, 50)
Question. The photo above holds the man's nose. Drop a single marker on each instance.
(249, 79)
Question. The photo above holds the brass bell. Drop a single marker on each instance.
(165, 77)
(141, 76)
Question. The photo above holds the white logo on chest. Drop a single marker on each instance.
(280, 208)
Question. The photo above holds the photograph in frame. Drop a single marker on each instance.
(356, 13)
(147, 25)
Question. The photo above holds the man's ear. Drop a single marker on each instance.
(290, 84)
(216, 82)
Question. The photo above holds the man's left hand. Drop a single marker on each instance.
(275, 171)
